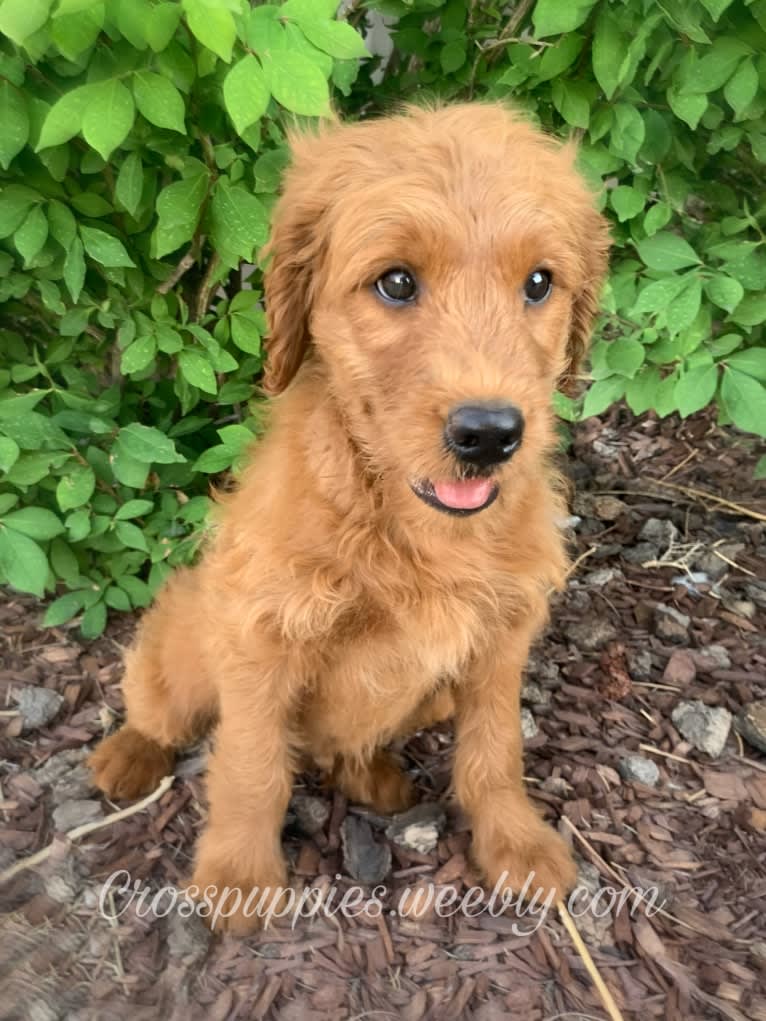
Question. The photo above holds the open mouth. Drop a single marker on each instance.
(463, 497)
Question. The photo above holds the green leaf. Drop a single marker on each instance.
(667, 252)
(117, 599)
(178, 209)
(139, 592)
(298, 84)
(608, 45)
(108, 117)
(452, 56)
(688, 108)
(74, 269)
(745, 400)
(138, 355)
(716, 7)
(751, 310)
(161, 25)
(104, 248)
(20, 19)
(246, 93)
(245, 333)
(725, 292)
(628, 133)
(32, 234)
(22, 562)
(78, 525)
(36, 522)
(722, 346)
(552, 17)
(213, 26)
(627, 202)
(63, 609)
(15, 201)
(715, 67)
(9, 453)
(134, 509)
(752, 362)
(625, 356)
(15, 121)
(742, 87)
(571, 101)
(337, 38)
(63, 226)
(131, 535)
(159, 101)
(197, 371)
(65, 117)
(64, 562)
(695, 389)
(657, 217)
(130, 471)
(215, 459)
(130, 183)
(75, 33)
(683, 311)
(93, 621)
(601, 394)
(75, 488)
(239, 220)
(147, 444)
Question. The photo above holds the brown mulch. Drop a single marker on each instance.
(605, 684)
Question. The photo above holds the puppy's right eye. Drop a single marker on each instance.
(397, 285)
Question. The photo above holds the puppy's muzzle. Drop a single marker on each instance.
(484, 435)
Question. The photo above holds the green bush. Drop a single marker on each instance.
(141, 148)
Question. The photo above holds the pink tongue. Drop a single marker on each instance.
(463, 495)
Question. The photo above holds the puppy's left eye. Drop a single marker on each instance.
(538, 286)
(397, 285)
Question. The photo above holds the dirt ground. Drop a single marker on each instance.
(664, 611)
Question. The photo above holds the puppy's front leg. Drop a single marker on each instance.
(509, 837)
(249, 782)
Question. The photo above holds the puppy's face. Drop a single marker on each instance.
(445, 268)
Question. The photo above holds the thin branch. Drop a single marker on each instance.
(184, 265)
(207, 286)
(603, 991)
(86, 828)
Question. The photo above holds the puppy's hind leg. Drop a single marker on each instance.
(170, 698)
(378, 781)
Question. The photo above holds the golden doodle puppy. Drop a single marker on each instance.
(386, 559)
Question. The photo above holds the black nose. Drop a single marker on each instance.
(484, 434)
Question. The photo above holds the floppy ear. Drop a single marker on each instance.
(295, 247)
(595, 256)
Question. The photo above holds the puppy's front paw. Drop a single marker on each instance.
(229, 901)
(529, 859)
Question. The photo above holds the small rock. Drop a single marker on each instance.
(75, 812)
(714, 565)
(758, 950)
(637, 768)
(680, 668)
(660, 532)
(558, 786)
(419, 828)
(641, 553)
(544, 671)
(602, 577)
(365, 860)
(529, 728)
(670, 624)
(311, 813)
(714, 657)
(593, 922)
(591, 634)
(608, 508)
(639, 663)
(577, 599)
(65, 884)
(703, 727)
(38, 706)
(533, 694)
(757, 592)
(751, 724)
(742, 607)
(187, 937)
